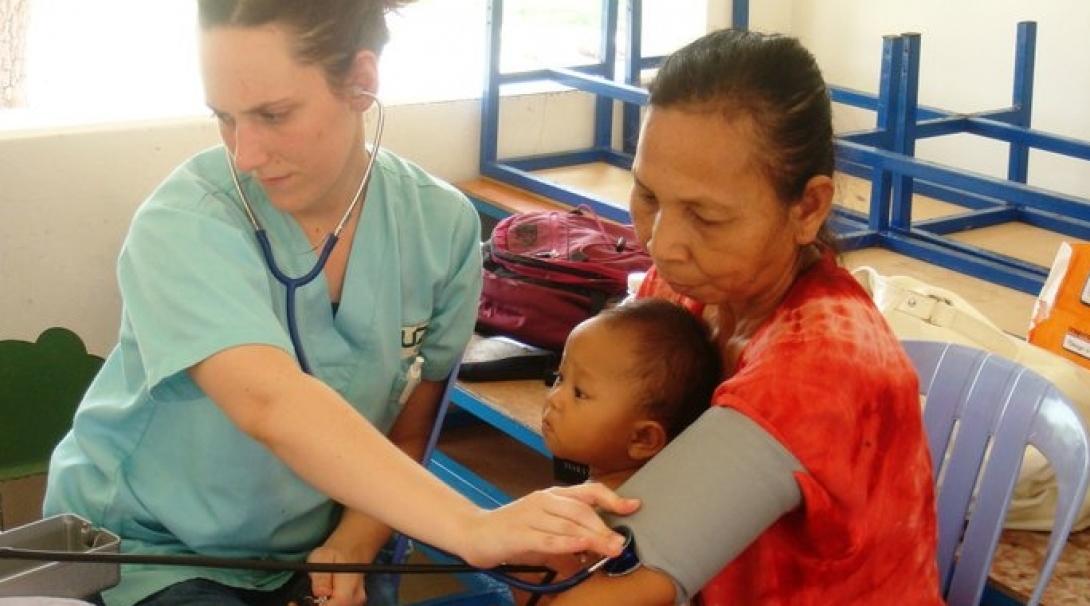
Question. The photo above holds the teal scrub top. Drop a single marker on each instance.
(153, 459)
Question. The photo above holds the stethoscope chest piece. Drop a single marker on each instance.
(627, 561)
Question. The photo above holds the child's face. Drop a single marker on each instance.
(593, 408)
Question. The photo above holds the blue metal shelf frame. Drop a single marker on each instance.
(469, 403)
(884, 155)
(990, 201)
(478, 588)
(597, 79)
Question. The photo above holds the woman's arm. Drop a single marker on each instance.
(705, 497)
(318, 435)
(410, 433)
(359, 537)
(644, 587)
(709, 494)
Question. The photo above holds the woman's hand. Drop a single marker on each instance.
(339, 589)
(551, 521)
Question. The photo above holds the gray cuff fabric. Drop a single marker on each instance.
(707, 496)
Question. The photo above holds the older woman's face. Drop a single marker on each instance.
(706, 212)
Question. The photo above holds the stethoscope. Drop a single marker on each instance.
(293, 284)
(620, 565)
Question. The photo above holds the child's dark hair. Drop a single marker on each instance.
(771, 79)
(677, 362)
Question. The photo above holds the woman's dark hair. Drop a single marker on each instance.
(677, 364)
(774, 81)
(328, 32)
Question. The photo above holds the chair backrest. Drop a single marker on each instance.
(981, 412)
(41, 384)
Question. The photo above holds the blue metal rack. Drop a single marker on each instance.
(884, 155)
(597, 79)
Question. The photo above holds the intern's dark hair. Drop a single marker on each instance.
(772, 80)
(328, 32)
(677, 365)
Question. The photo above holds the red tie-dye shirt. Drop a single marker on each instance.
(827, 378)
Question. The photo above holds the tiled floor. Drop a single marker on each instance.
(21, 500)
(1020, 555)
(417, 588)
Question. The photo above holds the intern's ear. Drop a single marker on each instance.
(647, 439)
(809, 212)
(363, 78)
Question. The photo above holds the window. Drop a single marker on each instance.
(437, 47)
(111, 60)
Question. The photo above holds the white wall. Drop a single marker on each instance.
(66, 196)
(764, 15)
(967, 65)
(773, 16)
(65, 204)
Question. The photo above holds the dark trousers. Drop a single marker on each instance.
(381, 591)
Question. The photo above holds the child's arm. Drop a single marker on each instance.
(644, 587)
(565, 566)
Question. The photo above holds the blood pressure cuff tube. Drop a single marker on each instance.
(712, 491)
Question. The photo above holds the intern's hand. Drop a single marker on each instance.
(340, 589)
(551, 521)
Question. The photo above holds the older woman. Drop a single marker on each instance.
(809, 481)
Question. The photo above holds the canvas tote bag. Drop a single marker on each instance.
(918, 310)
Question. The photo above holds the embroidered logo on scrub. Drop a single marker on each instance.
(412, 337)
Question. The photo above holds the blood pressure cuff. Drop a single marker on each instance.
(712, 491)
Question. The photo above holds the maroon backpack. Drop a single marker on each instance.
(546, 271)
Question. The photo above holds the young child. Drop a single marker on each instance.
(630, 380)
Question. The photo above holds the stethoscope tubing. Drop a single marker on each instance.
(293, 284)
(500, 573)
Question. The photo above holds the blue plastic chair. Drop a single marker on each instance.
(981, 412)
